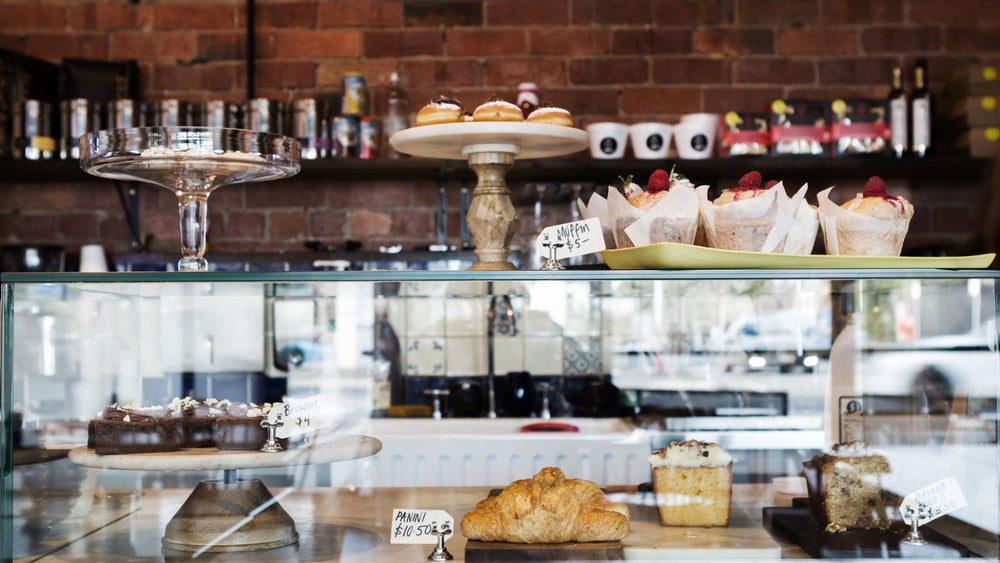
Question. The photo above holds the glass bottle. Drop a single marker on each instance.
(921, 112)
(527, 97)
(898, 115)
(397, 115)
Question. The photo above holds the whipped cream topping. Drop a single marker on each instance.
(444, 105)
(690, 453)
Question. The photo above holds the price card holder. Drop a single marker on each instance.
(299, 416)
(413, 525)
(579, 238)
(932, 502)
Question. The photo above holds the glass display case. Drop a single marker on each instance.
(433, 390)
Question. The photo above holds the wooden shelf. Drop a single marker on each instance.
(583, 169)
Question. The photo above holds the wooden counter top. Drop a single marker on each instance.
(353, 525)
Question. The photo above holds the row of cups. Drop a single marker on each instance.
(694, 137)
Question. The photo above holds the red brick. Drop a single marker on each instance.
(442, 13)
(239, 224)
(56, 46)
(609, 71)
(661, 100)
(13, 42)
(818, 41)
(586, 100)
(855, 71)
(862, 11)
(324, 43)
(35, 227)
(827, 93)
(7, 220)
(327, 223)
(938, 12)
(582, 11)
(78, 226)
(52, 196)
(33, 16)
(452, 72)
(638, 12)
(360, 13)
(730, 42)
(526, 12)
(114, 230)
(683, 70)
(972, 39)
(778, 12)
(412, 224)
(283, 193)
(569, 41)
(194, 16)
(424, 194)
(901, 39)
(286, 15)
(654, 41)
(376, 71)
(280, 74)
(164, 46)
(221, 46)
(736, 98)
(757, 70)
(108, 16)
(692, 12)
(265, 44)
(286, 225)
(210, 76)
(374, 193)
(365, 223)
(467, 42)
(508, 71)
(403, 43)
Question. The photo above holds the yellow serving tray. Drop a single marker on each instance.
(676, 256)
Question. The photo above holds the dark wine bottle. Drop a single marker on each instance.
(921, 112)
(898, 115)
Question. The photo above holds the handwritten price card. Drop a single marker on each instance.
(299, 416)
(938, 499)
(410, 525)
(578, 238)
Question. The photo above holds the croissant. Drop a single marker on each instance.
(548, 508)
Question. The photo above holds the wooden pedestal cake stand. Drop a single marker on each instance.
(232, 514)
(490, 149)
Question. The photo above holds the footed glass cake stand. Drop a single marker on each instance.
(490, 149)
(190, 161)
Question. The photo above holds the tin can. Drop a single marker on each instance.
(170, 113)
(308, 127)
(369, 137)
(264, 115)
(33, 137)
(124, 113)
(345, 136)
(77, 116)
(219, 113)
(354, 99)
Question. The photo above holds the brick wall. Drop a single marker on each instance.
(624, 59)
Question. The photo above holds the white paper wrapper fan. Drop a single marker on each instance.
(849, 233)
(598, 207)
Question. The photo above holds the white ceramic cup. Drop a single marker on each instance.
(607, 139)
(650, 139)
(702, 118)
(695, 140)
(92, 258)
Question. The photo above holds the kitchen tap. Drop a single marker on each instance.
(504, 323)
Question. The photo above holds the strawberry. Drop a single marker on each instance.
(751, 179)
(875, 187)
(659, 180)
(771, 184)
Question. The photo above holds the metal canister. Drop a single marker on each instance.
(309, 127)
(124, 113)
(77, 116)
(33, 137)
(369, 135)
(170, 112)
(345, 136)
(219, 113)
(354, 97)
(262, 114)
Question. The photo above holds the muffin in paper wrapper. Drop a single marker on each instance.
(674, 218)
(848, 233)
(758, 224)
(598, 207)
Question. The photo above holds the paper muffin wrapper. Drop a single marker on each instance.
(673, 219)
(802, 237)
(758, 224)
(848, 233)
(598, 207)
(622, 215)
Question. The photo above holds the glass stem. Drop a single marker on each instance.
(193, 209)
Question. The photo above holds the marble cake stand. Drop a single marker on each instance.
(231, 514)
(490, 149)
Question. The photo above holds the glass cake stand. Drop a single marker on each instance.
(490, 148)
(190, 161)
